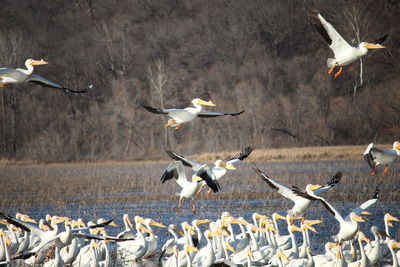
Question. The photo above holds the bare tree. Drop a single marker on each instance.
(355, 18)
(158, 79)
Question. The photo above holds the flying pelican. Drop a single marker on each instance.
(301, 204)
(348, 225)
(16, 76)
(344, 53)
(189, 189)
(220, 166)
(375, 156)
(179, 116)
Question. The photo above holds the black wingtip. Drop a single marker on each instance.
(83, 91)
(101, 224)
(377, 191)
(335, 179)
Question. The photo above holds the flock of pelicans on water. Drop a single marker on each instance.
(228, 241)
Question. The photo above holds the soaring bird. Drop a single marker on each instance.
(17, 76)
(220, 166)
(301, 204)
(179, 116)
(344, 53)
(375, 156)
(189, 188)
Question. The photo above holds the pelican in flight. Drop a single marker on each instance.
(375, 156)
(348, 225)
(189, 188)
(301, 204)
(344, 53)
(179, 116)
(16, 76)
(220, 166)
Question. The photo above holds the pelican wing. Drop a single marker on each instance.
(20, 224)
(175, 170)
(13, 73)
(327, 205)
(211, 114)
(208, 176)
(283, 190)
(240, 156)
(44, 82)
(369, 158)
(332, 182)
(92, 226)
(380, 40)
(331, 36)
(366, 204)
(185, 161)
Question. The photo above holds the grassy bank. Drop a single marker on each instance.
(325, 153)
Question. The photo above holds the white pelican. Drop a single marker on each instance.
(16, 76)
(392, 245)
(189, 188)
(301, 204)
(364, 261)
(179, 116)
(348, 225)
(206, 255)
(375, 156)
(344, 53)
(152, 239)
(220, 166)
(4, 255)
(374, 253)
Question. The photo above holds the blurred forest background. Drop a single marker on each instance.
(258, 55)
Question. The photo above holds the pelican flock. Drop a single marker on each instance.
(228, 240)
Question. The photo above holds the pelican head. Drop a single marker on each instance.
(389, 218)
(198, 101)
(32, 62)
(223, 164)
(355, 218)
(396, 145)
(370, 46)
(312, 187)
(393, 244)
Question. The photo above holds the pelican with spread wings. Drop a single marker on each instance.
(189, 188)
(343, 51)
(220, 166)
(179, 116)
(301, 204)
(17, 76)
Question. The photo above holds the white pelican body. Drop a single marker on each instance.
(344, 53)
(301, 204)
(179, 116)
(189, 188)
(206, 256)
(375, 156)
(17, 76)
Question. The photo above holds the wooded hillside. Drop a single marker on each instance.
(261, 56)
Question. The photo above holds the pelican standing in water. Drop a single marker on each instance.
(344, 53)
(179, 116)
(17, 76)
(375, 156)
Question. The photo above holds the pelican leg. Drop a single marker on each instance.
(180, 204)
(170, 122)
(337, 74)
(200, 189)
(331, 69)
(177, 127)
(50, 252)
(193, 207)
(373, 173)
(386, 170)
(209, 192)
(3, 85)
